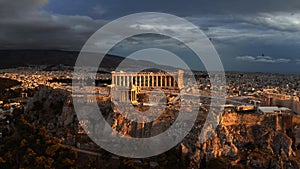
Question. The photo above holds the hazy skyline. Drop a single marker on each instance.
(262, 36)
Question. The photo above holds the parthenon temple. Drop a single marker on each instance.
(126, 85)
(148, 79)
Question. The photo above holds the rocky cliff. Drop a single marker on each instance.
(240, 141)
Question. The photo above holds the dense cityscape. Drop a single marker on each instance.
(42, 100)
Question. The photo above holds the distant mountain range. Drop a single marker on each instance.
(19, 58)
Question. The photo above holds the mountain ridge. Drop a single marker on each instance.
(27, 57)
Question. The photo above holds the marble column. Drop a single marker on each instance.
(123, 80)
(140, 80)
(165, 80)
(152, 81)
(127, 81)
(174, 82)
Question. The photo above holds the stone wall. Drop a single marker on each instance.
(278, 122)
(228, 119)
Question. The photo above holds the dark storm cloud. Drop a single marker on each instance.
(194, 7)
(27, 26)
(236, 27)
(12, 8)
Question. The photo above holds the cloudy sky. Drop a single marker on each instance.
(257, 35)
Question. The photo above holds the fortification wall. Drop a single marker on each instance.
(243, 118)
(282, 122)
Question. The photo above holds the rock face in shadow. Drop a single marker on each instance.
(52, 106)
